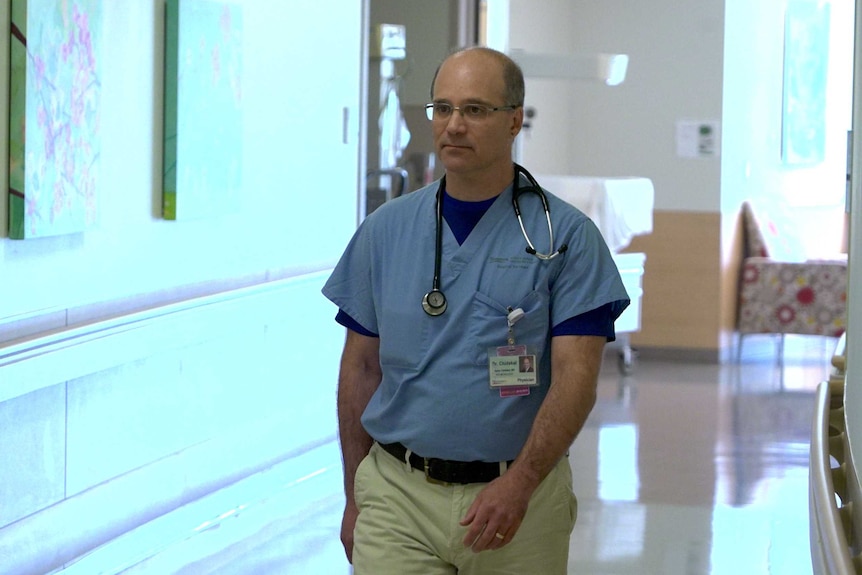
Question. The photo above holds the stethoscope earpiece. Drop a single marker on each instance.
(434, 302)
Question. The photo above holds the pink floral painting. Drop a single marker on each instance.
(54, 130)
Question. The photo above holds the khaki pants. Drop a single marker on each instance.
(409, 526)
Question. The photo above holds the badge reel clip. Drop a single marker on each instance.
(514, 316)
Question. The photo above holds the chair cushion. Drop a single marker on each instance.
(789, 297)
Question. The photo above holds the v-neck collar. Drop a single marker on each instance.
(463, 216)
(455, 256)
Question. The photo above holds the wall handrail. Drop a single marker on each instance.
(830, 521)
(59, 352)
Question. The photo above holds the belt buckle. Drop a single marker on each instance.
(427, 467)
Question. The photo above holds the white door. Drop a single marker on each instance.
(304, 112)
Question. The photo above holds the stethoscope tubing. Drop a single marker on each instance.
(535, 188)
(434, 302)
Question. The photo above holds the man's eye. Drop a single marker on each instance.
(474, 110)
(443, 109)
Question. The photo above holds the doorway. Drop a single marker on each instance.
(400, 152)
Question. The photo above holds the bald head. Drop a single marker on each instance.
(510, 72)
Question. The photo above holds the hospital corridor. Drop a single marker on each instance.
(682, 469)
(214, 206)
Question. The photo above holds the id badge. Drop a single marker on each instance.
(512, 369)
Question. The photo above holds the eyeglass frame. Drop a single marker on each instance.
(431, 107)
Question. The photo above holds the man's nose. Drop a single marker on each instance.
(456, 122)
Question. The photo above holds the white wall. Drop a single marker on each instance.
(109, 424)
(752, 164)
(628, 130)
(294, 177)
(688, 61)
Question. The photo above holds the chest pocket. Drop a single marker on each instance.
(490, 328)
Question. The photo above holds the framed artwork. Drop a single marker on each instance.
(202, 114)
(806, 54)
(54, 106)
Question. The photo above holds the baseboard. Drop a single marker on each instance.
(677, 354)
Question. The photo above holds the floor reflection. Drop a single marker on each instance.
(682, 469)
(720, 483)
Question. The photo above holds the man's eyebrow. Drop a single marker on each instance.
(465, 102)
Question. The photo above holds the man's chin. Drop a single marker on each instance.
(455, 159)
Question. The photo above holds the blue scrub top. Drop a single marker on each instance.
(435, 396)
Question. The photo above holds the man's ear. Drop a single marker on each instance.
(517, 121)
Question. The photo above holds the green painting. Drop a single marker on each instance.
(203, 98)
(54, 124)
(806, 54)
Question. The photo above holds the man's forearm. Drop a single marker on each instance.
(565, 409)
(358, 379)
(355, 441)
(498, 510)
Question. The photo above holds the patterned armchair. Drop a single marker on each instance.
(780, 293)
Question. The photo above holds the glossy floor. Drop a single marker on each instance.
(682, 469)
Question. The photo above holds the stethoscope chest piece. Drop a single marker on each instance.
(434, 302)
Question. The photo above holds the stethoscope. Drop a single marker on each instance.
(434, 302)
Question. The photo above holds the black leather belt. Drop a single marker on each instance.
(444, 470)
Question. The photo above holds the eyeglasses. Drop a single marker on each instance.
(474, 112)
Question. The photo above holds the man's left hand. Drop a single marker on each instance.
(496, 513)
